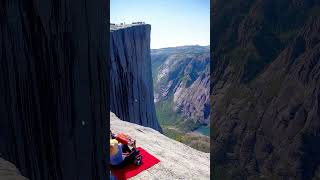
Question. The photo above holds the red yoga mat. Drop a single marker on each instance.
(132, 170)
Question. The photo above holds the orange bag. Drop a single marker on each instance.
(122, 138)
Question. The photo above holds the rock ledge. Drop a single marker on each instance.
(177, 160)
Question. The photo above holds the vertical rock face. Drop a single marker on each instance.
(53, 88)
(131, 91)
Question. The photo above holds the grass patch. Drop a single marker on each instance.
(188, 125)
(199, 142)
(175, 127)
(165, 113)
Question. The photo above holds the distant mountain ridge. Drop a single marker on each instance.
(181, 89)
(181, 77)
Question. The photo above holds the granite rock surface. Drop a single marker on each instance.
(131, 91)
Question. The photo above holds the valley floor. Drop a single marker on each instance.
(193, 139)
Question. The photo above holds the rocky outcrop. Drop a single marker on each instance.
(131, 91)
(193, 102)
(53, 88)
(177, 161)
(182, 79)
(265, 79)
(9, 171)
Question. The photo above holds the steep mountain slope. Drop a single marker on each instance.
(181, 85)
(131, 90)
(265, 80)
(177, 161)
(181, 80)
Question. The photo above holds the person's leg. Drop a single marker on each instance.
(131, 157)
(134, 144)
(125, 148)
(128, 159)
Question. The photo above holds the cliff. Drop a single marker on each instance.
(177, 161)
(53, 88)
(131, 91)
(265, 80)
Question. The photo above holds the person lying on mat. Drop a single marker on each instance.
(121, 154)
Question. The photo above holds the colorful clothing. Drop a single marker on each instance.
(117, 158)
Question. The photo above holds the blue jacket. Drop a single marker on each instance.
(117, 158)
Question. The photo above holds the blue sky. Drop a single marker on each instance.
(173, 22)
